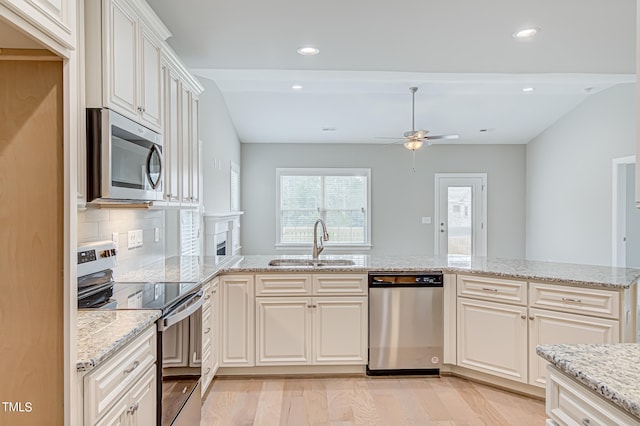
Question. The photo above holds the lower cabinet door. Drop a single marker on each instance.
(548, 327)
(340, 330)
(492, 338)
(137, 407)
(283, 330)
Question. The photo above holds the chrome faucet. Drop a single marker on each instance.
(317, 248)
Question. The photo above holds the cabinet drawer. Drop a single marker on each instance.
(603, 303)
(571, 403)
(283, 285)
(495, 289)
(104, 386)
(340, 284)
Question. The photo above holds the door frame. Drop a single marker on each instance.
(482, 246)
(618, 209)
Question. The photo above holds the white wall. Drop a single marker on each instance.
(632, 219)
(568, 179)
(220, 146)
(399, 197)
(100, 224)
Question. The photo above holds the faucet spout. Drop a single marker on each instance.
(317, 244)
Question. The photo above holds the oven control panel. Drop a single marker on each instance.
(95, 257)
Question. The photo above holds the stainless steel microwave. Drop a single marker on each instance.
(124, 158)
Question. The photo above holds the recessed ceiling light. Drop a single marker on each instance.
(528, 89)
(296, 87)
(527, 33)
(308, 51)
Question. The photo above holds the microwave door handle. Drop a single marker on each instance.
(155, 151)
(185, 312)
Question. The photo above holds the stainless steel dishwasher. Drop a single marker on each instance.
(406, 331)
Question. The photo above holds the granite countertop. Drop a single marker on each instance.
(612, 371)
(582, 275)
(183, 269)
(102, 332)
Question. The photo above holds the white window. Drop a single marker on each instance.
(341, 197)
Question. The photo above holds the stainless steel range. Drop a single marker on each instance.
(179, 328)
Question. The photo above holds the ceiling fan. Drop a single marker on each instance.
(415, 139)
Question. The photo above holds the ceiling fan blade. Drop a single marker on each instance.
(382, 137)
(443, 137)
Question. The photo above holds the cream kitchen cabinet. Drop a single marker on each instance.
(55, 18)
(123, 389)
(210, 339)
(181, 144)
(123, 46)
(549, 327)
(237, 294)
(570, 403)
(501, 321)
(321, 330)
(492, 338)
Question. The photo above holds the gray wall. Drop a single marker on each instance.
(633, 219)
(568, 179)
(220, 146)
(399, 197)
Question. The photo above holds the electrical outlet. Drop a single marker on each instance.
(156, 291)
(131, 239)
(115, 238)
(426, 220)
(139, 239)
(156, 235)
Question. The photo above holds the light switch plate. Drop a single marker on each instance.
(131, 239)
(156, 234)
(426, 220)
(139, 242)
(115, 238)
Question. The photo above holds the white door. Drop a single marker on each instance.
(283, 330)
(461, 214)
(492, 338)
(548, 327)
(340, 330)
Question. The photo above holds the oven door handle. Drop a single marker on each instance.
(192, 305)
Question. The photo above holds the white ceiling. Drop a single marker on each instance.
(460, 53)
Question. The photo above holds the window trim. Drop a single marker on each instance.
(324, 171)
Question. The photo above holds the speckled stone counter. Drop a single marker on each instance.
(102, 332)
(612, 371)
(582, 275)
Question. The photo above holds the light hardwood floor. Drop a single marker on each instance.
(365, 401)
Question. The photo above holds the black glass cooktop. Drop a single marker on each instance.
(151, 295)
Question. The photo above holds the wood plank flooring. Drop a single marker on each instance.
(365, 401)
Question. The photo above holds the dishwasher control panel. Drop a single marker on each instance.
(430, 279)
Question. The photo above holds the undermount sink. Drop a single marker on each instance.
(310, 262)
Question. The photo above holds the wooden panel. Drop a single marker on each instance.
(286, 284)
(548, 327)
(493, 289)
(340, 284)
(590, 301)
(492, 338)
(283, 330)
(31, 240)
(238, 324)
(340, 330)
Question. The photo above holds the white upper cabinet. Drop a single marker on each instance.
(123, 49)
(54, 18)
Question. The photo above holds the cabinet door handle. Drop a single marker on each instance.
(571, 300)
(208, 330)
(586, 421)
(523, 316)
(132, 408)
(494, 290)
(207, 297)
(532, 318)
(208, 371)
(133, 367)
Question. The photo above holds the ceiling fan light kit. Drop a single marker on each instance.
(413, 144)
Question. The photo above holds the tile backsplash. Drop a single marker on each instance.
(101, 224)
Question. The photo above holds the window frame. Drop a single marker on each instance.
(324, 171)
